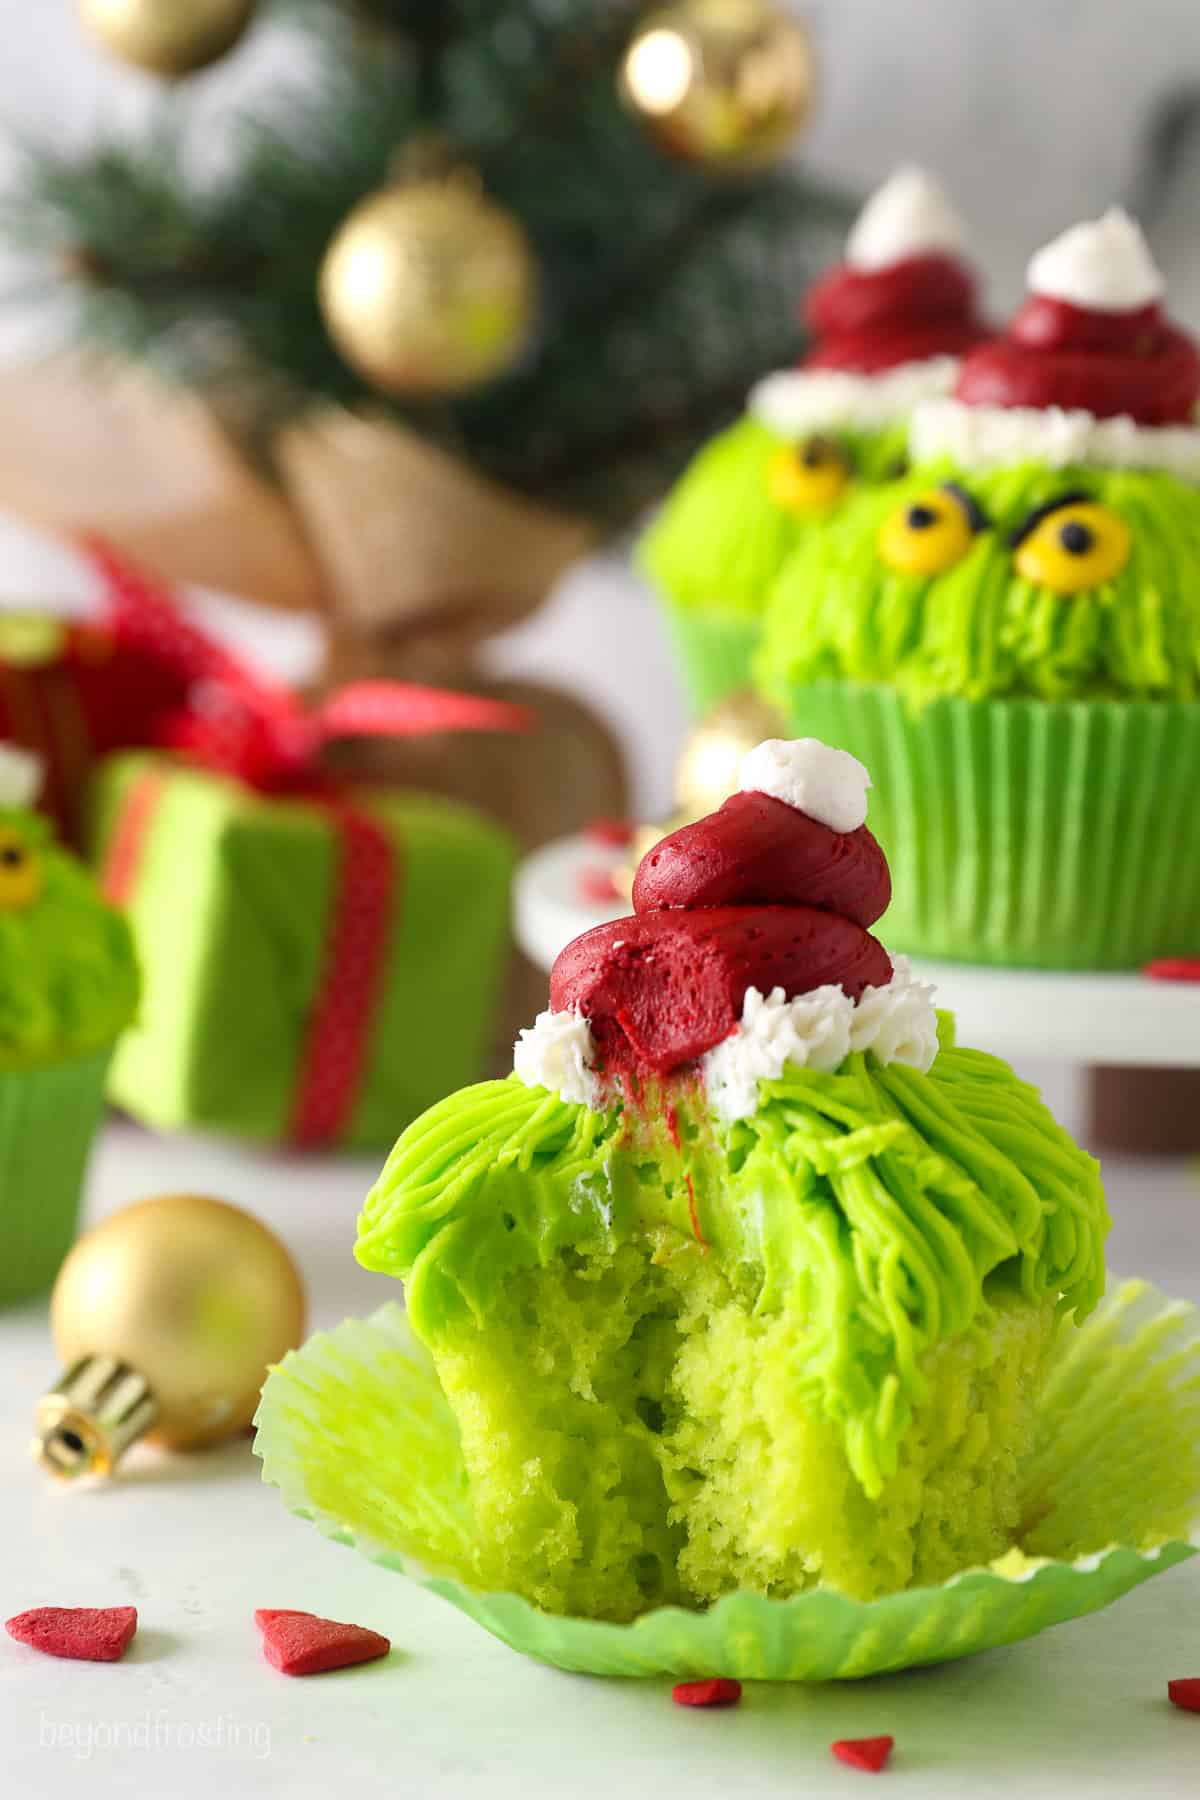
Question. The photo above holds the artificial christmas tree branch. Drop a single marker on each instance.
(664, 291)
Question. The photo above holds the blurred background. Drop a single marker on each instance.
(1036, 113)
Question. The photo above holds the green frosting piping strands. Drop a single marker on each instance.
(859, 1258)
(720, 540)
(979, 630)
(68, 974)
(355, 1431)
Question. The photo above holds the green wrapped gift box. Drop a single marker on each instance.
(317, 970)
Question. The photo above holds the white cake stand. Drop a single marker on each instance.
(1119, 1019)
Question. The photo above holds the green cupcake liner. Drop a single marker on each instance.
(1026, 833)
(355, 1431)
(715, 648)
(48, 1118)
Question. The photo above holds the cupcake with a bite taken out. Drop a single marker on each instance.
(745, 1280)
(1011, 634)
(889, 324)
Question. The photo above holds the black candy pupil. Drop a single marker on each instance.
(11, 857)
(1076, 537)
(920, 518)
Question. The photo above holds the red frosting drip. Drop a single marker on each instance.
(755, 895)
(758, 851)
(1108, 364)
(866, 321)
(661, 989)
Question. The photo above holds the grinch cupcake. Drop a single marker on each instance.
(1011, 635)
(68, 987)
(889, 325)
(745, 1280)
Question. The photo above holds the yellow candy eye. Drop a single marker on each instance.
(810, 477)
(20, 872)
(1072, 544)
(929, 534)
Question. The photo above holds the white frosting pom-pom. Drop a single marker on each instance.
(1104, 265)
(21, 775)
(556, 1052)
(897, 1022)
(812, 1031)
(908, 216)
(829, 785)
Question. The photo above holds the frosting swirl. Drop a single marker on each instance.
(1092, 337)
(866, 321)
(758, 895)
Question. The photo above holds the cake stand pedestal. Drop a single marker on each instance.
(1112, 1022)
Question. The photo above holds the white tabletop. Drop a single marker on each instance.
(197, 1543)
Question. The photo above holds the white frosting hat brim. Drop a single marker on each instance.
(794, 402)
(982, 437)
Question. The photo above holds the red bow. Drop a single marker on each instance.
(239, 723)
(243, 724)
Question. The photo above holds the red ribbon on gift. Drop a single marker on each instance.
(240, 724)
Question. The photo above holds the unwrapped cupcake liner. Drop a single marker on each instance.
(355, 1432)
(48, 1118)
(714, 647)
(1027, 833)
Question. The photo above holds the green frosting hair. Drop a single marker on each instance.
(68, 973)
(719, 539)
(979, 630)
(873, 1211)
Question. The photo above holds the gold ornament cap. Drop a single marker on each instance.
(167, 1318)
(91, 1416)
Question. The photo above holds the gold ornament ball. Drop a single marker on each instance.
(194, 1296)
(168, 37)
(707, 770)
(429, 288)
(725, 83)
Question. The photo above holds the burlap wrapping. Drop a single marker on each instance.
(413, 558)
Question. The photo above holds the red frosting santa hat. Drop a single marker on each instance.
(1091, 369)
(889, 322)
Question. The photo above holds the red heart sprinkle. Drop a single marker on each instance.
(301, 1643)
(1174, 968)
(870, 1754)
(83, 1633)
(1185, 1693)
(718, 1692)
(615, 833)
